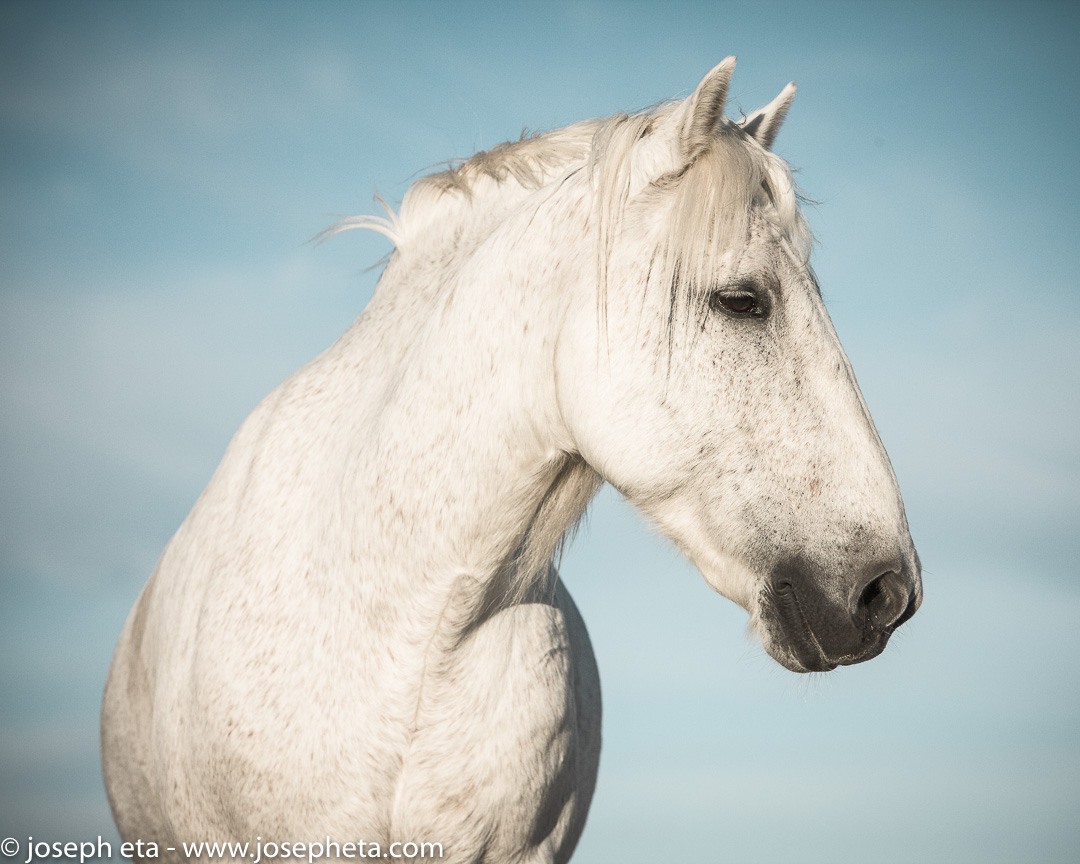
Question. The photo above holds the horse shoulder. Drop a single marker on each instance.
(237, 641)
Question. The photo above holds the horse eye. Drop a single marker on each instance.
(741, 303)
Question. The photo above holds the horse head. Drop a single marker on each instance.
(704, 380)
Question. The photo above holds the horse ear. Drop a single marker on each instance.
(704, 109)
(764, 123)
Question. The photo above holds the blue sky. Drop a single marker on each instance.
(162, 167)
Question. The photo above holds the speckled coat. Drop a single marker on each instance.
(358, 634)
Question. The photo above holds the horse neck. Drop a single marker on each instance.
(465, 466)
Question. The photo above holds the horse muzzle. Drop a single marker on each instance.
(811, 626)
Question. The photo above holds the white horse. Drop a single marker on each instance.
(358, 632)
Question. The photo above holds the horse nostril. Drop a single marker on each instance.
(884, 600)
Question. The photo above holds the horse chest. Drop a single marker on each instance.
(502, 752)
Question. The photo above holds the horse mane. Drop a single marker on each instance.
(530, 161)
(482, 188)
(728, 178)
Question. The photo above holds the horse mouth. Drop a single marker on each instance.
(801, 644)
(798, 647)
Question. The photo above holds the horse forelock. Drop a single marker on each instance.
(715, 198)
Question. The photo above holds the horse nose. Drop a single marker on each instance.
(886, 600)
